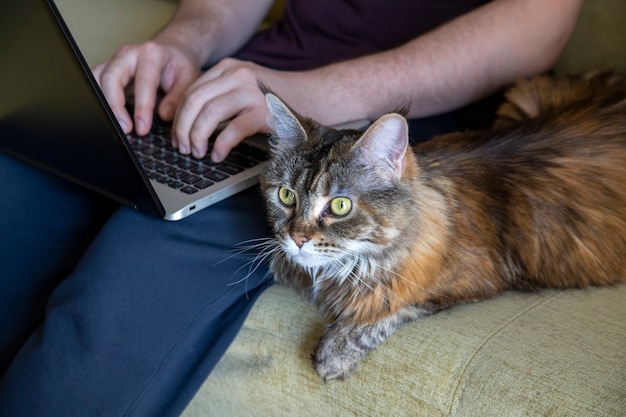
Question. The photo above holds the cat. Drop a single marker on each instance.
(378, 234)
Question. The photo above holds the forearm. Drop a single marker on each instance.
(462, 61)
(213, 29)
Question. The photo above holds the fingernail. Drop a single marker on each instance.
(168, 111)
(123, 125)
(215, 157)
(141, 125)
(183, 149)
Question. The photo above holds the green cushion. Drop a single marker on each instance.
(101, 27)
(552, 353)
(599, 38)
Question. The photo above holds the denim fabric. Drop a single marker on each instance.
(115, 314)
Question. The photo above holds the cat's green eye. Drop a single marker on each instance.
(340, 206)
(286, 196)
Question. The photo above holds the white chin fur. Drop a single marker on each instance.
(310, 261)
(305, 256)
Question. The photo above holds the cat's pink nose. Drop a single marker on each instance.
(299, 239)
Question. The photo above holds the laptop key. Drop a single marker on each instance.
(189, 189)
(150, 164)
(176, 158)
(200, 169)
(164, 169)
(201, 185)
(241, 160)
(229, 168)
(174, 183)
(216, 176)
(177, 174)
(251, 152)
(156, 152)
(191, 179)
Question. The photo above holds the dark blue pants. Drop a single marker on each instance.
(107, 312)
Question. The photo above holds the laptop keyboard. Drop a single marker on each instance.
(163, 163)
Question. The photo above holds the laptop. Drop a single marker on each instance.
(54, 116)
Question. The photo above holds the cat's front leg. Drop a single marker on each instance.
(344, 344)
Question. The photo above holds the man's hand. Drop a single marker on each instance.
(149, 66)
(229, 91)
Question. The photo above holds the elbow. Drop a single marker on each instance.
(555, 37)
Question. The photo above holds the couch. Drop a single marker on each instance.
(551, 353)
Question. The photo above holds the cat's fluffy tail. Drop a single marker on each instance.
(544, 95)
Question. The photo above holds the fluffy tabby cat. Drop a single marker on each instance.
(378, 235)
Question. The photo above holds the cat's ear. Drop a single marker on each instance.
(283, 122)
(383, 146)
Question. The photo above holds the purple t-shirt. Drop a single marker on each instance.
(318, 32)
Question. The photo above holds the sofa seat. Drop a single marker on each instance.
(552, 353)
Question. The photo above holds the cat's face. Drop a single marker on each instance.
(318, 212)
(332, 195)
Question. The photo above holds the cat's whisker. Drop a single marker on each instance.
(352, 276)
(364, 265)
(256, 245)
(268, 248)
(394, 273)
(356, 279)
(397, 275)
(253, 265)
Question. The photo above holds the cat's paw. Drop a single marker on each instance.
(344, 344)
(330, 364)
(338, 353)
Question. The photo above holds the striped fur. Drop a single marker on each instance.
(538, 201)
